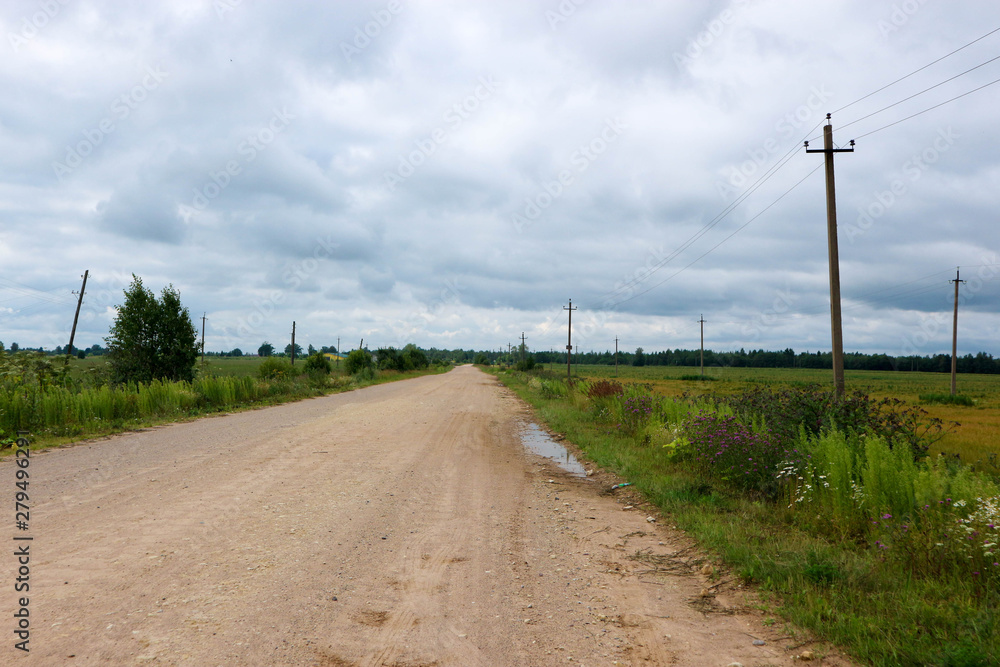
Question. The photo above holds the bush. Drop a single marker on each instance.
(817, 410)
(357, 361)
(318, 363)
(273, 368)
(388, 359)
(413, 358)
(526, 364)
(749, 460)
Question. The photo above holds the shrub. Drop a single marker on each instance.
(318, 363)
(273, 368)
(723, 448)
(357, 361)
(413, 358)
(817, 410)
(526, 364)
(389, 359)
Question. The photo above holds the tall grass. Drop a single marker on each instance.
(64, 411)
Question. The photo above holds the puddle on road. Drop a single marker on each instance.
(540, 442)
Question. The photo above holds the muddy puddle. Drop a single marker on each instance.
(538, 441)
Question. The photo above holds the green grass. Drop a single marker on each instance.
(844, 591)
(947, 399)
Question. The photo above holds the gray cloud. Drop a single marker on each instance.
(443, 172)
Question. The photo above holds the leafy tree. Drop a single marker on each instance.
(236, 352)
(481, 359)
(14, 347)
(311, 350)
(640, 358)
(265, 350)
(298, 350)
(152, 338)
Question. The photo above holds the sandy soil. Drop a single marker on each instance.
(399, 525)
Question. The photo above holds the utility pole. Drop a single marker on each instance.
(79, 302)
(522, 349)
(569, 342)
(293, 342)
(702, 321)
(616, 356)
(338, 353)
(831, 236)
(954, 335)
(203, 338)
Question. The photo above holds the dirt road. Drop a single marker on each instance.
(402, 524)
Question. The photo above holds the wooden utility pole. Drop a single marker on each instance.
(76, 317)
(569, 342)
(203, 338)
(831, 237)
(293, 342)
(954, 336)
(522, 348)
(702, 321)
(616, 356)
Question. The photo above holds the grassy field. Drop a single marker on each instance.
(977, 438)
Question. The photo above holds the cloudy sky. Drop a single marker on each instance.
(452, 173)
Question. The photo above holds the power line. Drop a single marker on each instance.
(782, 161)
(933, 62)
(713, 248)
(858, 120)
(928, 109)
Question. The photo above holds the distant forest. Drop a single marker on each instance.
(938, 363)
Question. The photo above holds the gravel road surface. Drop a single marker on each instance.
(398, 525)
